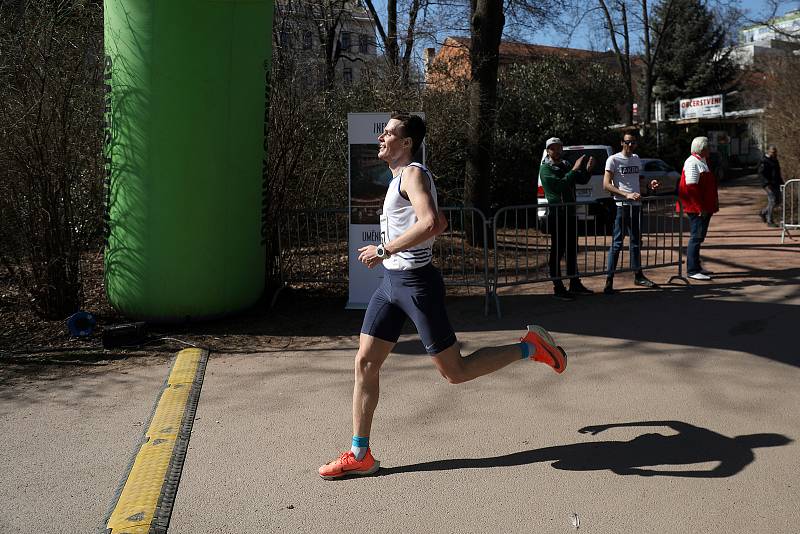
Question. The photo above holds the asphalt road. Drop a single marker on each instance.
(687, 398)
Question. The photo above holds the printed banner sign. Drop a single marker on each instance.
(702, 107)
(368, 179)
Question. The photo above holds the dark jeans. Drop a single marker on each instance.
(627, 222)
(699, 228)
(563, 228)
(773, 199)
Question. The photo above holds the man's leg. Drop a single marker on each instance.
(424, 303)
(575, 285)
(571, 252)
(617, 239)
(372, 352)
(768, 208)
(778, 199)
(704, 223)
(458, 369)
(382, 324)
(552, 229)
(700, 225)
(633, 229)
(771, 203)
(635, 247)
(693, 247)
(555, 221)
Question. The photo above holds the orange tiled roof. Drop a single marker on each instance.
(453, 56)
(514, 50)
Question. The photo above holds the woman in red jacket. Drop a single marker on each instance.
(698, 194)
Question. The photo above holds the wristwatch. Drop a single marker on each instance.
(380, 252)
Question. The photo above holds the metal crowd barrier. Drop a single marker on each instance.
(461, 253)
(790, 210)
(314, 244)
(313, 248)
(524, 235)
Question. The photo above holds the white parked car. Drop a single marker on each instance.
(656, 169)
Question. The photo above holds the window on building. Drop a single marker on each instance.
(347, 75)
(345, 41)
(308, 40)
(363, 44)
(285, 39)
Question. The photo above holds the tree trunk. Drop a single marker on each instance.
(648, 67)
(652, 44)
(400, 65)
(392, 49)
(623, 57)
(487, 23)
(627, 72)
(405, 65)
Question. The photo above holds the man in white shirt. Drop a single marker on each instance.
(622, 180)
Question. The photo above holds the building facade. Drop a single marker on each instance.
(322, 35)
(761, 42)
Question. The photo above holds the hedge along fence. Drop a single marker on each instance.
(51, 103)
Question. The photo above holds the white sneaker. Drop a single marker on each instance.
(704, 271)
(699, 276)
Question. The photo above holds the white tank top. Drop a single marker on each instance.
(398, 216)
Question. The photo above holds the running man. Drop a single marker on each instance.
(412, 287)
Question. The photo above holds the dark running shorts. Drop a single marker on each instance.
(417, 294)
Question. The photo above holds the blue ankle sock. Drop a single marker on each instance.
(359, 446)
(526, 350)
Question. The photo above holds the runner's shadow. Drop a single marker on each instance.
(649, 454)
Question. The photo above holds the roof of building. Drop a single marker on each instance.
(515, 50)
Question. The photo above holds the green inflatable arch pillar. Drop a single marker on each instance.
(186, 126)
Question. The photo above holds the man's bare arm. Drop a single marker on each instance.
(416, 185)
(430, 222)
(608, 185)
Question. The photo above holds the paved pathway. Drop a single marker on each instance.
(692, 393)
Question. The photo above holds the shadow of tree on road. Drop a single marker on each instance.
(644, 455)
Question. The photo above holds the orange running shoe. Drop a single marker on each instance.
(546, 349)
(347, 465)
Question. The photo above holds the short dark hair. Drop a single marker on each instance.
(633, 134)
(412, 126)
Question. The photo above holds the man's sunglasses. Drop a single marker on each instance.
(629, 142)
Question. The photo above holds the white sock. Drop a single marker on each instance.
(359, 446)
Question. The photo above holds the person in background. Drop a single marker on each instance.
(558, 181)
(621, 178)
(697, 192)
(769, 170)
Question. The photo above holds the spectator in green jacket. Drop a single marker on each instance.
(558, 181)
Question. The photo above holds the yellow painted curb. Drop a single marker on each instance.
(161, 454)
